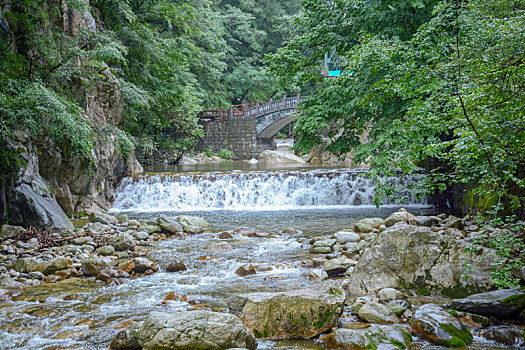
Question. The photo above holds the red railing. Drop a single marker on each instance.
(250, 110)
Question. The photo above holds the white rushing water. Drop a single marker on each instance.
(236, 190)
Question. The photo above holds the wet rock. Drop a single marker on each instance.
(37, 275)
(388, 294)
(362, 227)
(503, 304)
(416, 257)
(324, 243)
(194, 330)
(369, 337)
(377, 313)
(400, 215)
(344, 237)
(219, 247)
(151, 229)
(244, 231)
(128, 339)
(122, 241)
(52, 266)
(321, 250)
(82, 240)
(24, 265)
(438, 326)
(176, 266)
(169, 224)
(246, 270)
(317, 275)
(106, 250)
(192, 224)
(293, 314)
(143, 264)
(9, 231)
(141, 235)
(454, 222)
(427, 221)
(276, 157)
(398, 307)
(225, 235)
(125, 266)
(290, 231)
(93, 266)
(372, 222)
(338, 266)
(509, 335)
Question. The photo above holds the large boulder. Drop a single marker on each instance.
(440, 327)
(192, 224)
(51, 266)
(33, 205)
(277, 157)
(406, 256)
(93, 266)
(377, 313)
(169, 224)
(502, 304)
(122, 241)
(294, 314)
(9, 231)
(402, 215)
(194, 330)
(370, 337)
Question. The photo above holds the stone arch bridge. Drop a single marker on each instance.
(247, 130)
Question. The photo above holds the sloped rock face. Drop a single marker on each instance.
(290, 315)
(503, 304)
(407, 256)
(194, 330)
(52, 184)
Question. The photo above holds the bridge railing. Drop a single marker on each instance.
(249, 111)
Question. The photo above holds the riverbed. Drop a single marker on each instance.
(83, 313)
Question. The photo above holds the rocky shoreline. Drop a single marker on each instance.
(374, 285)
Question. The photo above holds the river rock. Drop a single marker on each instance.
(140, 235)
(344, 237)
(454, 222)
(399, 216)
(143, 264)
(362, 227)
(9, 231)
(192, 224)
(427, 221)
(294, 314)
(82, 240)
(51, 266)
(372, 337)
(191, 330)
(320, 250)
(416, 257)
(372, 222)
(317, 275)
(24, 265)
(277, 157)
(398, 307)
(33, 205)
(376, 313)
(509, 335)
(151, 229)
(169, 224)
(440, 327)
(502, 304)
(93, 266)
(176, 266)
(388, 294)
(106, 250)
(127, 339)
(122, 241)
(338, 266)
(245, 270)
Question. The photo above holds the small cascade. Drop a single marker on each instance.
(278, 190)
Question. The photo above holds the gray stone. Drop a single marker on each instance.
(398, 307)
(363, 228)
(416, 257)
(317, 275)
(93, 266)
(106, 250)
(152, 228)
(344, 237)
(321, 250)
(194, 330)
(454, 222)
(502, 304)
(372, 222)
(141, 235)
(509, 335)
(24, 265)
(428, 221)
(324, 243)
(176, 266)
(127, 339)
(276, 157)
(293, 314)
(52, 266)
(169, 224)
(440, 327)
(399, 216)
(9, 231)
(377, 313)
(192, 224)
(338, 266)
(122, 241)
(143, 264)
(388, 294)
(373, 337)
(82, 240)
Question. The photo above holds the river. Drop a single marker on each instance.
(82, 314)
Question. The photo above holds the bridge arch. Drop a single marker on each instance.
(268, 125)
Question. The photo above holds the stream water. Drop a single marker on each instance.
(82, 314)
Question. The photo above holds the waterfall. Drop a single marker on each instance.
(235, 190)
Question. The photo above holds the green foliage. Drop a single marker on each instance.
(424, 80)
(209, 153)
(226, 154)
